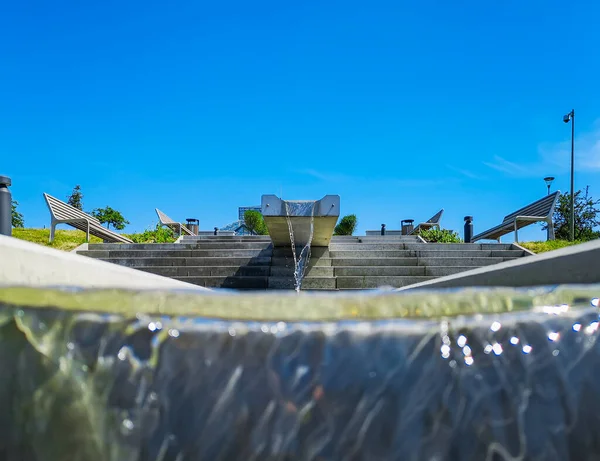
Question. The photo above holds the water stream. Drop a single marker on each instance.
(486, 374)
(294, 209)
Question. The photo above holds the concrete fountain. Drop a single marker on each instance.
(300, 225)
(96, 366)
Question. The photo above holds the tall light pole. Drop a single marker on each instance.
(570, 117)
(548, 180)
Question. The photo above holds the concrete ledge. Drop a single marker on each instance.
(577, 264)
(28, 264)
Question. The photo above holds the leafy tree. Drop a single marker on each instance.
(109, 216)
(587, 217)
(346, 225)
(76, 198)
(255, 222)
(17, 218)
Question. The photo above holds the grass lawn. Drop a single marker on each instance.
(65, 240)
(542, 247)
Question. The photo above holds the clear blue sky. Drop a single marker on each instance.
(199, 107)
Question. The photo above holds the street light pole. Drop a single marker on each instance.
(548, 180)
(570, 117)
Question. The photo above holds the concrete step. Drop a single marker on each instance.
(437, 253)
(458, 246)
(372, 254)
(225, 238)
(274, 283)
(208, 271)
(178, 246)
(364, 261)
(289, 262)
(315, 252)
(233, 282)
(354, 246)
(311, 271)
(442, 271)
(367, 246)
(363, 282)
(440, 253)
(471, 262)
(308, 283)
(145, 262)
(359, 271)
(177, 254)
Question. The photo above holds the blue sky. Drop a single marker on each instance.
(199, 107)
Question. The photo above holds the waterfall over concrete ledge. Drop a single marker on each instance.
(324, 213)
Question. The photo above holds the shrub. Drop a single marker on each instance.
(255, 222)
(158, 235)
(346, 225)
(440, 236)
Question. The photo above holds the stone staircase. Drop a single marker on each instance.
(250, 262)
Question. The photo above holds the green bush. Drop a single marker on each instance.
(158, 235)
(346, 225)
(440, 236)
(255, 222)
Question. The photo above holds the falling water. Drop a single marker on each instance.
(301, 260)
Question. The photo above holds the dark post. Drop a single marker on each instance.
(572, 228)
(216, 230)
(5, 206)
(383, 229)
(570, 117)
(468, 229)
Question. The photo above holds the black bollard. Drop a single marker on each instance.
(468, 229)
(5, 206)
(383, 229)
(216, 230)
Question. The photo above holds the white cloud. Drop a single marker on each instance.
(587, 152)
(511, 168)
(327, 177)
(555, 158)
(466, 173)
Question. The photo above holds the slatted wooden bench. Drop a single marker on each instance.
(173, 225)
(63, 213)
(434, 221)
(539, 211)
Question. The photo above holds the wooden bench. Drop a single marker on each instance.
(541, 210)
(63, 213)
(173, 225)
(434, 221)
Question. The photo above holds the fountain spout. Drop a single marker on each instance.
(285, 217)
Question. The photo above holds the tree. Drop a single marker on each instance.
(346, 225)
(255, 222)
(109, 216)
(586, 216)
(76, 198)
(17, 218)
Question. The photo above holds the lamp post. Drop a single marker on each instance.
(570, 117)
(548, 180)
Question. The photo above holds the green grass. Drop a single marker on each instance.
(550, 245)
(65, 240)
